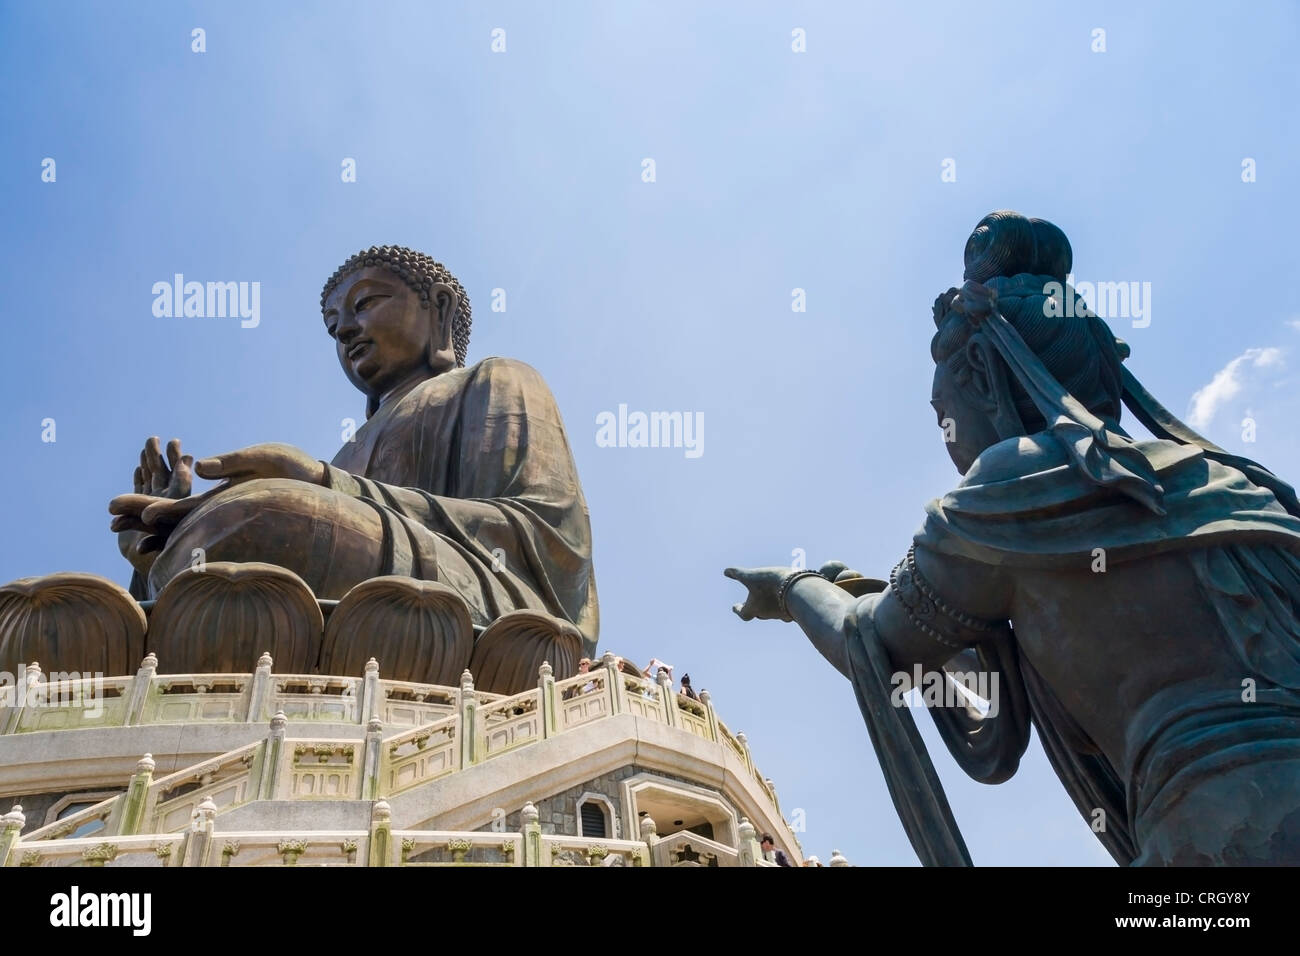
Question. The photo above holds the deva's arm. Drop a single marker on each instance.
(917, 619)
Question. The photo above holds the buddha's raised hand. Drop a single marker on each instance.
(156, 476)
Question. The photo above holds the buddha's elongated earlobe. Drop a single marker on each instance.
(442, 304)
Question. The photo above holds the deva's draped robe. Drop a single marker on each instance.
(1028, 509)
(475, 484)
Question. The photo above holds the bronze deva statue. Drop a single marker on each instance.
(1139, 600)
(460, 475)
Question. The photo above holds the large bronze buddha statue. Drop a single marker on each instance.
(459, 487)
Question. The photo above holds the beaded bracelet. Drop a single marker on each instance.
(788, 582)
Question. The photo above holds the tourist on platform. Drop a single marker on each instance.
(687, 689)
(772, 853)
(651, 673)
(584, 667)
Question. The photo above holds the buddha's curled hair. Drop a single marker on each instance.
(418, 271)
(1025, 262)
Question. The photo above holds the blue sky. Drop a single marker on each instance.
(522, 170)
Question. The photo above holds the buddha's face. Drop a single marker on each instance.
(381, 333)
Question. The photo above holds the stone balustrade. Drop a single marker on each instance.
(467, 728)
(150, 698)
(200, 844)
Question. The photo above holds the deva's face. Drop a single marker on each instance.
(381, 334)
(967, 429)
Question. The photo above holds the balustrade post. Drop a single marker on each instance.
(197, 845)
(744, 745)
(650, 837)
(669, 698)
(615, 680)
(371, 692)
(771, 792)
(370, 765)
(268, 780)
(468, 702)
(710, 717)
(10, 700)
(140, 690)
(380, 849)
(546, 689)
(11, 828)
(259, 694)
(130, 809)
(22, 694)
(747, 843)
(532, 830)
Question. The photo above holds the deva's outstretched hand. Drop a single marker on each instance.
(764, 599)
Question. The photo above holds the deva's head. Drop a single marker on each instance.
(1023, 262)
(396, 315)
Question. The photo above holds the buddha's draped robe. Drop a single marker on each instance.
(472, 477)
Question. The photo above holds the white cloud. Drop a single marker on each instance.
(1228, 382)
(1294, 323)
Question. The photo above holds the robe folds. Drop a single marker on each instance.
(474, 482)
(1022, 506)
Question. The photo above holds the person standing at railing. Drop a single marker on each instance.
(687, 689)
(771, 852)
(651, 673)
(584, 667)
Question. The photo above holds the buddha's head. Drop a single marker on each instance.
(395, 315)
(977, 399)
